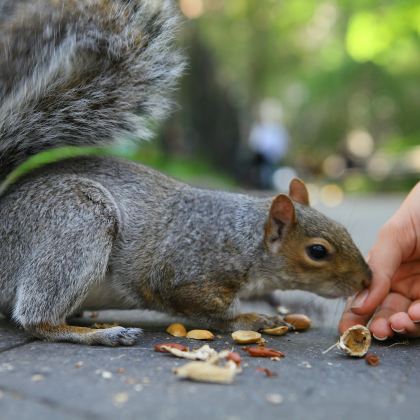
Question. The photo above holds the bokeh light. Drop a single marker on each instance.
(332, 195)
(368, 36)
(314, 193)
(360, 144)
(379, 166)
(413, 160)
(282, 178)
(334, 166)
(192, 9)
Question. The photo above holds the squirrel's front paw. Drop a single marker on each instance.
(114, 336)
(257, 322)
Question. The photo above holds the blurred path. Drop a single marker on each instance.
(363, 216)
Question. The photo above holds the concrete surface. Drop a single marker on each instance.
(41, 380)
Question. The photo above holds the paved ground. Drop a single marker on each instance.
(63, 381)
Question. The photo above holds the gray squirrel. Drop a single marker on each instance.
(101, 232)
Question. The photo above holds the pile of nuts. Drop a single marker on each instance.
(208, 365)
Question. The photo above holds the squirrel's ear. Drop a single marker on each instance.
(282, 210)
(298, 191)
(282, 214)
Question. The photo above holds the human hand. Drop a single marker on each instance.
(392, 302)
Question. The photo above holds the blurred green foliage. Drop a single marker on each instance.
(335, 65)
(195, 171)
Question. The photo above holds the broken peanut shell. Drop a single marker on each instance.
(246, 337)
(160, 347)
(200, 335)
(207, 372)
(263, 352)
(177, 330)
(269, 373)
(203, 353)
(372, 359)
(355, 341)
(300, 322)
(235, 357)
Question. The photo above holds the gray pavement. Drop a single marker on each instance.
(64, 381)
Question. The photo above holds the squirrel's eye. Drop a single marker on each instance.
(317, 252)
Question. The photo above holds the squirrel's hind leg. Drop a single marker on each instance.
(59, 281)
(71, 257)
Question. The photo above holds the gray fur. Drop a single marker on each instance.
(83, 73)
(170, 236)
(93, 233)
(111, 336)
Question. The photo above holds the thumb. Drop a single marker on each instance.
(395, 243)
(384, 259)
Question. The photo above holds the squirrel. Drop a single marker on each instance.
(98, 232)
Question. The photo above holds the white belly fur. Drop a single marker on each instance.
(104, 296)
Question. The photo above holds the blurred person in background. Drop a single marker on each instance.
(269, 143)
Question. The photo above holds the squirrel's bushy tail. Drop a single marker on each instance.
(82, 72)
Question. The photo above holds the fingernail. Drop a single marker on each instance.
(403, 331)
(417, 322)
(360, 299)
(379, 338)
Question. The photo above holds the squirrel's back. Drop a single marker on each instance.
(82, 72)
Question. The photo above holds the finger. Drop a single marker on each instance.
(380, 324)
(402, 324)
(384, 259)
(414, 311)
(406, 279)
(348, 319)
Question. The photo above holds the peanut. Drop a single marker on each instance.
(300, 322)
(177, 330)
(200, 335)
(276, 331)
(246, 337)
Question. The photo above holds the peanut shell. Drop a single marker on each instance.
(203, 353)
(355, 341)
